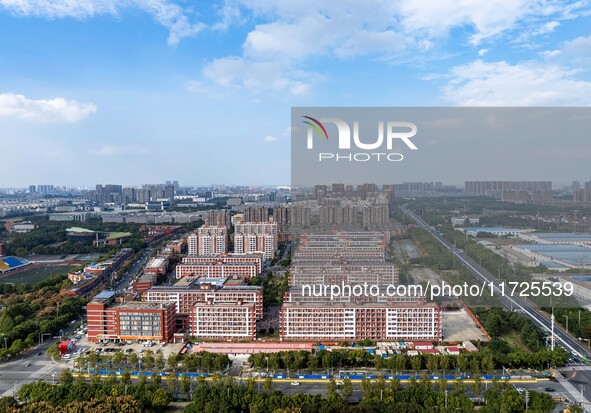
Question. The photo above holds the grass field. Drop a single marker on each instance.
(34, 275)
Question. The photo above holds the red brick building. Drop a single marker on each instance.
(136, 320)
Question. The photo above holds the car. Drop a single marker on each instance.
(550, 389)
(28, 365)
(40, 353)
(340, 383)
(295, 383)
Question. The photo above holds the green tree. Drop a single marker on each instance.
(346, 388)
(331, 387)
(66, 378)
(417, 363)
(171, 383)
(432, 363)
(477, 385)
(185, 384)
(268, 385)
(159, 361)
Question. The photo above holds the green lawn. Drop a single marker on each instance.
(35, 275)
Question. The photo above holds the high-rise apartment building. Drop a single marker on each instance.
(256, 214)
(218, 218)
(256, 236)
(212, 240)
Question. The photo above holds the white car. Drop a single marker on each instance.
(340, 383)
(295, 383)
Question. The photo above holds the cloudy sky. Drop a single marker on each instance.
(141, 91)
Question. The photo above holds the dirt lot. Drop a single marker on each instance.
(459, 326)
(408, 249)
(424, 275)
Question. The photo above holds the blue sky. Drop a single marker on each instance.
(131, 92)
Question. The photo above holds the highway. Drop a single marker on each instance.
(510, 302)
(517, 303)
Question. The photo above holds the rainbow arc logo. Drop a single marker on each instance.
(317, 126)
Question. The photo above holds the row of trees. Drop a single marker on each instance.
(225, 395)
(107, 395)
(486, 361)
(202, 361)
(377, 396)
(498, 322)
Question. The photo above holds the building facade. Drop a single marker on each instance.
(108, 320)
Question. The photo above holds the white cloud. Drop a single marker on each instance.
(270, 138)
(166, 13)
(288, 33)
(527, 84)
(482, 52)
(258, 76)
(196, 86)
(577, 51)
(44, 110)
(114, 150)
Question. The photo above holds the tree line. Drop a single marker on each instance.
(483, 361)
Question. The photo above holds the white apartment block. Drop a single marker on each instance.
(192, 244)
(225, 321)
(212, 239)
(252, 237)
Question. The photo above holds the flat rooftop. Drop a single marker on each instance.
(494, 229)
(252, 348)
(575, 255)
(105, 295)
(141, 305)
(563, 236)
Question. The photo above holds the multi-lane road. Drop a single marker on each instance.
(510, 302)
(514, 303)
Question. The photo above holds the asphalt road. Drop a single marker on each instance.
(15, 373)
(514, 302)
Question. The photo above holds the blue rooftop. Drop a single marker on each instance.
(575, 255)
(105, 294)
(563, 236)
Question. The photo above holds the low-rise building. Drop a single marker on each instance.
(108, 320)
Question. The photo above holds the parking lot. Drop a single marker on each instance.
(83, 346)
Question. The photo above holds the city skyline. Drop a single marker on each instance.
(459, 185)
(146, 90)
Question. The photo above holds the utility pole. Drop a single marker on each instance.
(526, 399)
(552, 332)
